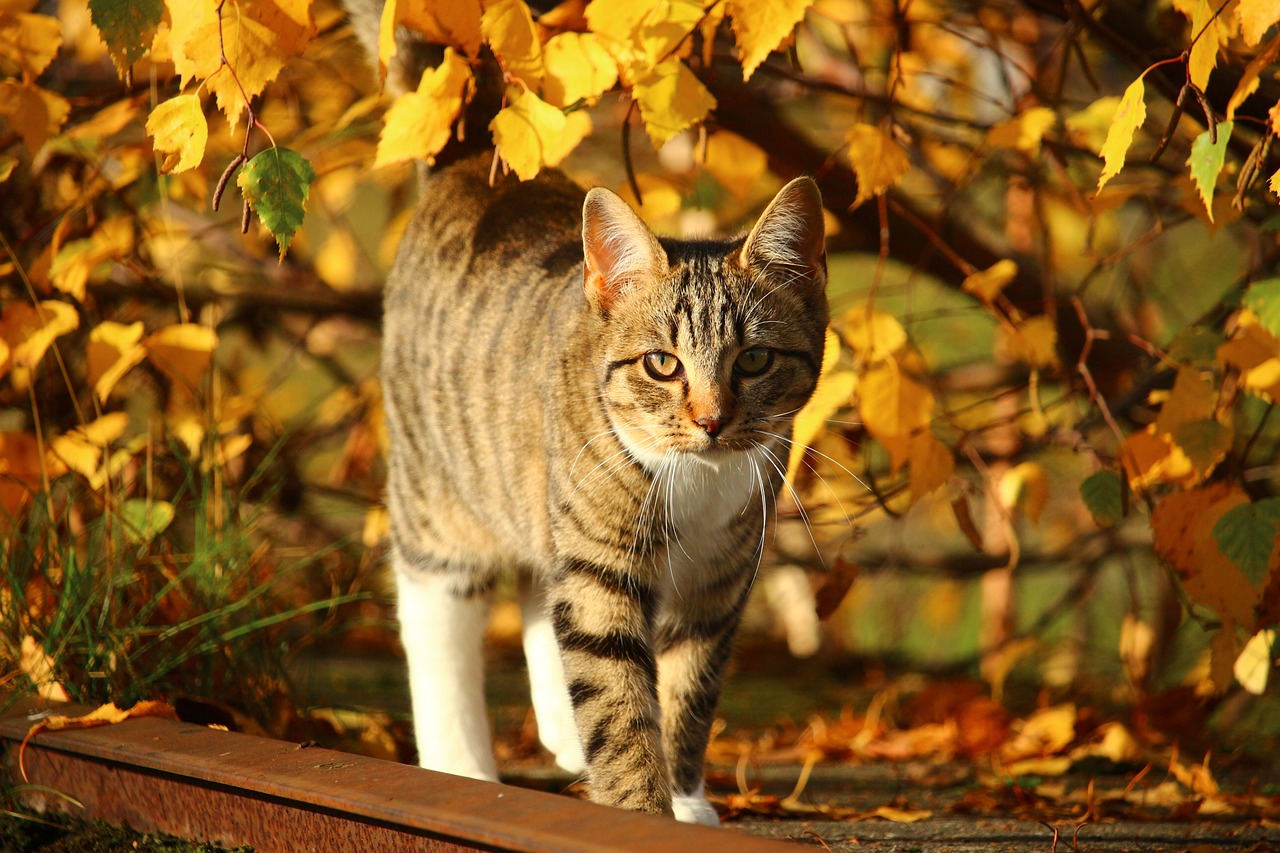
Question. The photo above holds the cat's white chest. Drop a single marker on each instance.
(704, 497)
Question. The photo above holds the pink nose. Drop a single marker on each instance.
(710, 425)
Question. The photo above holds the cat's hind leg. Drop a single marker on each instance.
(443, 610)
(547, 687)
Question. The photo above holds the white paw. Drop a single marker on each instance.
(569, 756)
(694, 808)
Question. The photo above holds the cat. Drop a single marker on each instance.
(607, 414)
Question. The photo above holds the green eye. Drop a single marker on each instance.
(662, 365)
(754, 361)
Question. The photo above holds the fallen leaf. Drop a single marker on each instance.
(103, 715)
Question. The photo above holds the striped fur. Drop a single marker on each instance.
(528, 435)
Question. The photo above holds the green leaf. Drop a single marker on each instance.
(127, 26)
(142, 520)
(1263, 298)
(1196, 346)
(1102, 493)
(1248, 534)
(276, 183)
(1206, 161)
(1205, 441)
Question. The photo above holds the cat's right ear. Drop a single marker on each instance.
(619, 251)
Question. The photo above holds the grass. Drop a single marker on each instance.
(23, 832)
(177, 593)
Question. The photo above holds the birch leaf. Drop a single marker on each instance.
(29, 41)
(419, 123)
(179, 132)
(1130, 113)
(578, 68)
(878, 161)
(507, 25)
(760, 28)
(1204, 53)
(834, 391)
(987, 284)
(1256, 17)
(531, 134)
(276, 183)
(1206, 161)
(29, 331)
(1023, 132)
(113, 350)
(1248, 534)
(127, 26)
(1263, 299)
(671, 99)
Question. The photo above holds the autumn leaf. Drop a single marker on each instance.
(127, 26)
(1033, 341)
(28, 331)
(873, 335)
(931, 462)
(253, 50)
(183, 352)
(1254, 352)
(1254, 663)
(419, 123)
(892, 403)
(834, 391)
(1129, 115)
(82, 448)
(1206, 161)
(531, 134)
(34, 113)
(878, 161)
(1192, 398)
(454, 23)
(760, 28)
(113, 350)
(1249, 79)
(23, 468)
(736, 162)
(578, 68)
(103, 715)
(507, 26)
(179, 131)
(1256, 17)
(987, 284)
(1249, 535)
(276, 183)
(1023, 132)
(29, 42)
(1204, 52)
(142, 520)
(671, 99)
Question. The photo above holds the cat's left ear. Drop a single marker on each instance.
(620, 252)
(790, 234)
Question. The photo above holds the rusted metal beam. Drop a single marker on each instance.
(163, 776)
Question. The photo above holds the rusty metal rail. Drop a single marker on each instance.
(163, 776)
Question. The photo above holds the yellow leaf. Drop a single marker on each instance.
(290, 20)
(834, 391)
(1204, 53)
(891, 403)
(1025, 486)
(7, 162)
(896, 815)
(252, 49)
(578, 68)
(659, 198)
(737, 163)
(185, 19)
(1254, 664)
(1253, 71)
(103, 715)
(531, 134)
(1034, 341)
(507, 25)
(419, 123)
(1023, 132)
(1254, 352)
(34, 113)
(454, 23)
(183, 352)
(1088, 128)
(932, 464)
(616, 21)
(113, 350)
(671, 99)
(760, 28)
(336, 261)
(75, 262)
(39, 667)
(1256, 17)
(1129, 115)
(1274, 183)
(878, 161)
(81, 449)
(873, 335)
(1044, 733)
(28, 43)
(179, 131)
(664, 31)
(987, 284)
(29, 330)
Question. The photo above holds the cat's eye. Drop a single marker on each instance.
(754, 361)
(662, 365)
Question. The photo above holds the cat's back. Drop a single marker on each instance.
(485, 289)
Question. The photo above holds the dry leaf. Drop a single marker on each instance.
(103, 715)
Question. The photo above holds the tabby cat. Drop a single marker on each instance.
(607, 414)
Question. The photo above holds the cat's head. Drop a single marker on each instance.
(706, 347)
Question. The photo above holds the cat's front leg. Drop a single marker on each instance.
(602, 617)
(693, 639)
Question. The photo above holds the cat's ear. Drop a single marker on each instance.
(790, 234)
(619, 250)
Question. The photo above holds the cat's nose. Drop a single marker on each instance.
(711, 426)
